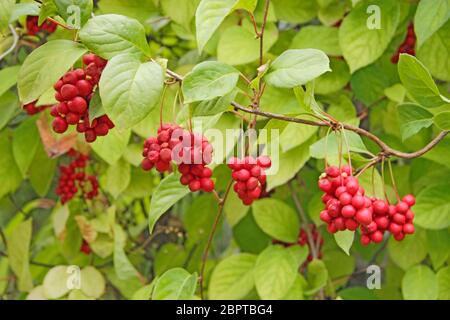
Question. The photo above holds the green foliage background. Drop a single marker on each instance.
(147, 232)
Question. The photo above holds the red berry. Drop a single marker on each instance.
(380, 207)
(358, 201)
(332, 171)
(90, 135)
(72, 118)
(59, 125)
(84, 88)
(194, 185)
(402, 207)
(207, 184)
(78, 105)
(408, 228)
(409, 199)
(264, 161)
(377, 236)
(348, 211)
(364, 216)
(345, 198)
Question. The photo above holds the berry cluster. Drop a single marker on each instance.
(303, 240)
(190, 151)
(74, 92)
(73, 178)
(407, 46)
(347, 208)
(31, 108)
(158, 150)
(33, 28)
(249, 177)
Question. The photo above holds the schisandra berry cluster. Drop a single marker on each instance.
(190, 151)
(74, 92)
(31, 108)
(33, 27)
(347, 208)
(408, 46)
(73, 178)
(249, 176)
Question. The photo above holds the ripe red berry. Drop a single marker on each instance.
(332, 171)
(364, 216)
(348, 211)
(59, 125)
(409, 199)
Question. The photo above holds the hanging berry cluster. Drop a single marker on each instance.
(33, 27)
(74, 92)
(408, 46)
(347, 208)
(249, 176)
(73, 179)
(190, 151)
(31, 108)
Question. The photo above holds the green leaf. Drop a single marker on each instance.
(18, 243)
(37, 293)
(322, 38)
(141, 10)
(9, 104)
(248, 5)
(296, 291)
(42, 171)
(238, 45)
(363, 42)
(75, 12)
(438, 242)
(412, 118)
(145, 292)
(118, 177)
(275, 272)
(296, 67)
(56, 282)
(430, 16)
(168, 192)
(418, 82)
(180, 12)
(277, 219)
(92, 282)
(112, 34)
(24, 9)
(295, 134)
(435, 53)
(357, 293)
(208, 80)
(6, 8)
(344, 240)
(232, 278)
(123, 267)
(130, 89)
(410, 251)
(175, 284)
(396, 93)
(420, 283)
(294, 11)
(208, 17)
(317, 276)
(442, 120)
(48, 9)
(8, 78)
(9, 171)
(335, 80)
(443, 278)
(433, 207)
(214, 106)
(25, 143)
(111, 147)
(45, 65)
(289, 164)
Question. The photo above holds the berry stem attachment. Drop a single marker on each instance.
(161, 106)
(394, 185)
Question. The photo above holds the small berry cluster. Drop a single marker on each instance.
(190, 151)
(347, 208)
(73, 178)
(31, 108)
(33, 28)
(408, 46)
(192, 158)
(74, 92)
(85, 248)
(249, 177)
(303, 240)
(158, 150)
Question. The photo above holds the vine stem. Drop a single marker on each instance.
(386, 149)
(210, 238)
(391, 172)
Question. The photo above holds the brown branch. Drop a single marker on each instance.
(386, 150)
(261, 33)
